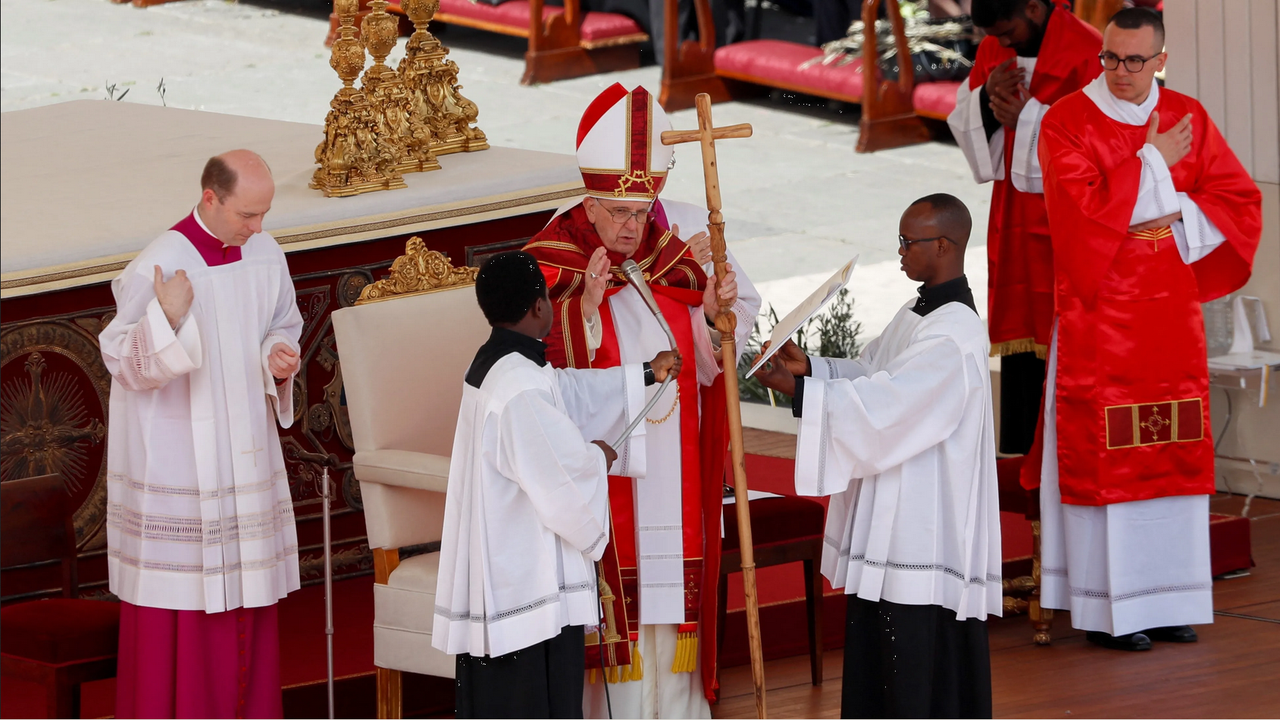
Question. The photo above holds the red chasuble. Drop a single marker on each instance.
(1019, 255)
(563, 249)
(1132, 386)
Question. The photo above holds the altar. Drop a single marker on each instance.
(87, 184)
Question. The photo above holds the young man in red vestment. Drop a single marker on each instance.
(1151, 214)
(1034, 55)
(200, 534)
(662, 565)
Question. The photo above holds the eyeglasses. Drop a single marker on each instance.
(906, 244)
(621, 215)
(1133, 63)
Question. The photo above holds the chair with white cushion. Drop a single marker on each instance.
(405, 347)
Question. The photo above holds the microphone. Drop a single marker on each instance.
(636, 277)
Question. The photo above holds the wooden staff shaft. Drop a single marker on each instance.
(726, 323)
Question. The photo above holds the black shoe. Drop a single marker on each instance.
(1179, 634)
(1134, 642)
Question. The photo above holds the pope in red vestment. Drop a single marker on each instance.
(1033, 56)
(661, 571)
(1152, 214)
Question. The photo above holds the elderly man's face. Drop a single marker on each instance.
(1131, 45)
(620, 237)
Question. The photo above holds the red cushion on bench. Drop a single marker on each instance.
(775, 520)
(596, 26)
(935, 99)
(61, 630)
(776, 63)
(1230, 546)
(513, 14)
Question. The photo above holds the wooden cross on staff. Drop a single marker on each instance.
(726, 323)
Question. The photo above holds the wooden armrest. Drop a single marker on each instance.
(402, 468)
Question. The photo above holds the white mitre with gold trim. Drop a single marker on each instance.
(620, 150)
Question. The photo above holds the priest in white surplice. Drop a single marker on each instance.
(664, 562)
(902, 439)
(526, 512)
(200, 531)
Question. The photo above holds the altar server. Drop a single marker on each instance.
(902, 441)
(526, 510)
(1151, 215)
(1034, 55)
(663, 565)
(200, 531)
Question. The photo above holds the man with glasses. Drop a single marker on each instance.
(1151, 214)
(662, 566)
(902, 441)
(1032, 57)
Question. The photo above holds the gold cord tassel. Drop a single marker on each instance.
(591, 676)
(637, 662)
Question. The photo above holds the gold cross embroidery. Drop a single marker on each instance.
(1155, 423)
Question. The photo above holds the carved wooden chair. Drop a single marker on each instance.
(1022, 594)
(563, 42)
(405, 347)
(63, 642)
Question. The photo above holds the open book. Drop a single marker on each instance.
(788, 325)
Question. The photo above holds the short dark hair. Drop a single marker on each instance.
(986, 13)
(508, 285)
(218, 177)
(1134, 18)
(952, 214)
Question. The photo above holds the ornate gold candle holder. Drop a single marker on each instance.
(403, 132)
(351, 157)
(432, 83)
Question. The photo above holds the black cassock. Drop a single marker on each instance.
(540, 681)
(914, 661)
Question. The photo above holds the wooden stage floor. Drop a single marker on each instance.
(1234, 671)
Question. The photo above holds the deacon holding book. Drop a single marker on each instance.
(902, 441)
(200, 533)
(662, 565)
(526, 512)
(1151, 215)
(1034, 55)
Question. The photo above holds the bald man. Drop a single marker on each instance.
(902, 441)
(200, 531)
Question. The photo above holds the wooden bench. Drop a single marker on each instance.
(893, 111)
(564, 42)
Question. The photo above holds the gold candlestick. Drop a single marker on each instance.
(432, 83)
(402, 133)
(351, 159)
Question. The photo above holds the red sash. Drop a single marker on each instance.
(563, 249)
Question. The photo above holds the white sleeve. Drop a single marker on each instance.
(859, 428)
(1195, 233)
(562, 474)
(595, 333)
(746, 307)
(1024, 166)
(139, 347)
(705, 347)
(986, 157)
(824, 368)
(601, 403)
(1156, 194)
(286, 327)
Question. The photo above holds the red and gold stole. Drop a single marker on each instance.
(563, 249)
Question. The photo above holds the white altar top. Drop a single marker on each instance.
(87, 184)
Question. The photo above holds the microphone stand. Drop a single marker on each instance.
(328, 586)
(636, 277)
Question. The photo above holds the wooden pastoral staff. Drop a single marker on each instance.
(726, 323)
(893, 111)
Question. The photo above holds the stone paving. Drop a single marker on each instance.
(799, 202)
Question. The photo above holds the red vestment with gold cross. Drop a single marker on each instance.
(1132, 381)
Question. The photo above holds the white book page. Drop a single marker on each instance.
(788, 325)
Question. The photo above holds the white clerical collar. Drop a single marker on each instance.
(196, 212)
(1121, 110)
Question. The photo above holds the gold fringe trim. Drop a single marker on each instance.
(686, 659)
(637, 662)
(591, 676)
(1013, 347)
